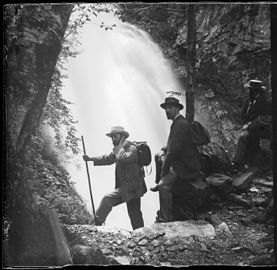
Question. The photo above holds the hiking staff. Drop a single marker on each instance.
(93, 209)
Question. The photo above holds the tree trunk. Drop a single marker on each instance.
(191, 56)
(33, 37)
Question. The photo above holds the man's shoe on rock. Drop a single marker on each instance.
(159, 220)
(97, 222)
(154, 189)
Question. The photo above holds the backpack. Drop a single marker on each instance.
(144, 153)
(200, 135)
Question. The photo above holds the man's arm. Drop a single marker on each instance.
(127, 155)
(101, 160)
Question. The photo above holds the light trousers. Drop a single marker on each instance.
(115, 198)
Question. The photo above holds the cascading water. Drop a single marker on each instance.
(120, 78)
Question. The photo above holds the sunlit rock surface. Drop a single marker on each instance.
(181, 229)
(173, 229)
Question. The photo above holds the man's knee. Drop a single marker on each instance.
(164, 188)
(110, 200)
(106, 200)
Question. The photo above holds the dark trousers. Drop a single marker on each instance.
(190, 197)
(248, 145)
(115, 198)
(180, 199)
(165, 197)
(159, 164)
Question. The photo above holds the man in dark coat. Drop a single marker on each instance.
(257, 116)
(181, 179)
(130, 184)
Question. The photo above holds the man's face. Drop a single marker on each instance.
(116, 138)
(171, 111)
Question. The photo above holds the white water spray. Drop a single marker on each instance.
(120, 78)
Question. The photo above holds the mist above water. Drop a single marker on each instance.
(120, 78)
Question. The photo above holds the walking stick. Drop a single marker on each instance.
(88, 178)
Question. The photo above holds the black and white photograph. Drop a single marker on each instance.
(138, 134)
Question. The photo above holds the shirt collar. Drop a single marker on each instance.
(176, 116)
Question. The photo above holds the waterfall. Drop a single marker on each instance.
(120, 78)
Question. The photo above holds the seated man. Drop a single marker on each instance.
(257, 114)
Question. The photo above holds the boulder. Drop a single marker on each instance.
(182, 229)
(214, 159)
(82, 254)
(220, 226)
(243, 181)
(120, 260)
(223, 227)
(62, 250)
(166, 264)
(238, 200)
(215, 220)
(143, 231)
(220, 183)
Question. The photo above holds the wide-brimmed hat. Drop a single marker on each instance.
(172, 101)
(118, 129)
(255, 84)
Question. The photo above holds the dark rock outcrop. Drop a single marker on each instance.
(82, 254)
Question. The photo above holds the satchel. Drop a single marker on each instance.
(144, 153)
(200, 135)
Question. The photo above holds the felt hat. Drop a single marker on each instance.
(255, 84)
(172, 101)
(118, 130)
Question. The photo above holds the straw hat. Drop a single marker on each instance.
(255, 84)
(118, 130)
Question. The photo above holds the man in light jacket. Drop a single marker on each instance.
(129, 178)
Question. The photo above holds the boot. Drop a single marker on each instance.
(97, 222)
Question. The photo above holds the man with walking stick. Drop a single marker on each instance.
(129, 178)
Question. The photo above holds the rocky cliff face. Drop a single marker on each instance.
(233, 46)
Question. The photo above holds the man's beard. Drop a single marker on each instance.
(169, 116)
(115, 143)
